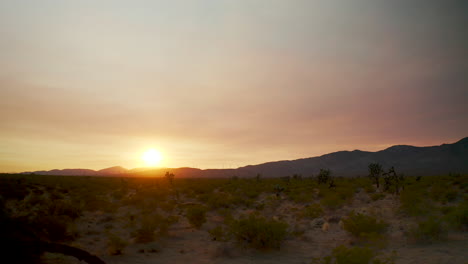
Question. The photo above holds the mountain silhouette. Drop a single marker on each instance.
(410, 160)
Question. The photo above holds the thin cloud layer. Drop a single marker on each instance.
(226, 83)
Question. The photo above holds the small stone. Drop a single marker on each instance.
(334, 219)
(317, 222)
(325, 227)
(341, 224)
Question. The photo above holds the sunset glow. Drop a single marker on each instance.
(225, 84)
(152, 158)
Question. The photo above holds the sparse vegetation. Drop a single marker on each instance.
(364, 226)
(375, 171)
(116, 245)
(354, 255)
(313, 211)
(196, 215)
(431, 229)
(324, 176)
(259, 232)
(258, 213)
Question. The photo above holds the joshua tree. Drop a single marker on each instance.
(258, 177)
(398, 179)
(331, 184)
(323, 176)
(278, 190)
(387, 181)
(297, 176)
(391, 177)
(375, 171)
(170, 178)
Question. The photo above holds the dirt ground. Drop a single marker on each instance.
(185, 244)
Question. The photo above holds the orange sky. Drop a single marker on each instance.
(221, 84)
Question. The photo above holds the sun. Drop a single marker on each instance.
(152, 157)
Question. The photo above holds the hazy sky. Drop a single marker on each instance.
(217, 84)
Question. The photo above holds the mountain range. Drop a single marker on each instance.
(410, 160)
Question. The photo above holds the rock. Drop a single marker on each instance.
(325, 227)
(317, 222)
(341, 224)
(334, 219)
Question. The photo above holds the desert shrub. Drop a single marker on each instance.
(92, 203)
(377, 196)
(215, 200)
(258, 232)
(355, 255)
(151, 226)
(364, 226)
(146, 232)
(119, 194)
(196, 215)
(115, 244)
(313, 211)
(450, 195)
(345, 191)
(457, 216)
(64, 207)
(412, 202)
(369, 189)
(52, 220)
(167, 206)
(13, 188)
(165, 223)
(428, 230)
(300, 196)
(218, 200)
(332, 201)
(219, 233)
(323, 176)
(442, 192)
(352, 255)
(53, 228)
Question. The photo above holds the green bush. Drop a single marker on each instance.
(196, 215)
(377, 196)
(53, 228)
(116, 245)
(412, 202)
(457, 217)
(354, 255)
(63, 207)
(442, 192)
(369, 189)
(331, 200)
(313, 211)
(146, 232)
(151, 226)
(429, 230)
(219, 234)
(258, 232)
(364, 226)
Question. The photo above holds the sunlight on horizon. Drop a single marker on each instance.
(152, 158)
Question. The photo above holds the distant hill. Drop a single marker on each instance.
(112, 171)
(410, 160)
(66, 172)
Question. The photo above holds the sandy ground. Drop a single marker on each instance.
(185, 244)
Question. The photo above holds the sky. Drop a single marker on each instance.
(226, 83)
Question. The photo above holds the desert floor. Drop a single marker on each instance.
(148, 220)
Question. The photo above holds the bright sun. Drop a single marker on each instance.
(152, 157)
